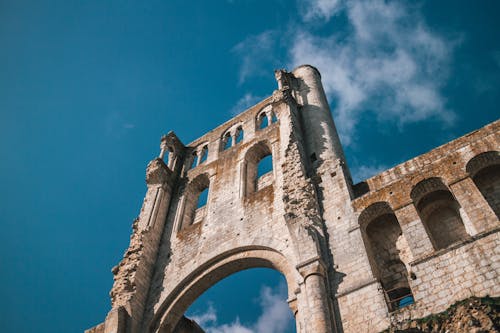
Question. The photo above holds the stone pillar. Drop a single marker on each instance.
(314, 274)
(482, 217)
(414, 231)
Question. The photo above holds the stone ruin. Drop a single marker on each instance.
(406, 243)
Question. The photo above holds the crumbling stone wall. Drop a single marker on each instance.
(426, 229)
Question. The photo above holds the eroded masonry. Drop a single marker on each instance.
(356, 257)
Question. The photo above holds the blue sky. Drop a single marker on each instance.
(88, 87)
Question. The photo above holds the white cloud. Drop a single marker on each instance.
(275, 316)
(276, 313)
(209, 316)
(385, 60)
(245, 102)
(389, 62)
(312, 10)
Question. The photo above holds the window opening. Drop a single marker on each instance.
(388, 253)
(196, 197)
(265, 166)
(487, 181)
(259, 164)
(195, 160)
(239, 135)
(263, 122)
(440, 215)
(202, 198)
(228, 141)
(204, 154)
(273, 118)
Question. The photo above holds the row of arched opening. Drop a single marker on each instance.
(440, 213)
(257, 174)
(233, 136)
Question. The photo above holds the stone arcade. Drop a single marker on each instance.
(408, 242)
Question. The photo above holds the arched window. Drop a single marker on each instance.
(259, 166)
(227, 141)
(194, 162)
(263, 121)
(439, 212)
(202, 198)
(273, 117)
(239, 135)
(265, 166)
(195, 200)
(484, 169)
(388, 252)
(204, 154)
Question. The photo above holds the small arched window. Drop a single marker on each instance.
(195, 200)
(202, 199)
(265, 166)
(204, 154)
(227, 141)
(263, 121)
(194, 162)
(274, 119)
(439, 212)
(239, 135)
(259, 167)
(484, 169)
(388, 253)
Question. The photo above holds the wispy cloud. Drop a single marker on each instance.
(388, 62)
(254, 51)
(312, 10)
(275, 317)
(385, 60)
(245, 102)
(362, 172)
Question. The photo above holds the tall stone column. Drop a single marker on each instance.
(314, 274)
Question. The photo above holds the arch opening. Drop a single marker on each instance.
(204, 154)
(195, 200)
(439, 212)
(194, 162)
(205, 276)
(227, 141)
(388, 253)
(484, 170)
(239, 135)
(263, 122)
(259, 167)
(274, 119)
(260, 306)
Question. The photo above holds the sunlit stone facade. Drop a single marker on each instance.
(405, 243)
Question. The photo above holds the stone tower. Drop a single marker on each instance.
(357, 258)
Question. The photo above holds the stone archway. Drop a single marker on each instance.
(207, 275)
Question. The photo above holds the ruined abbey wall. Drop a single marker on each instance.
(405, 243)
